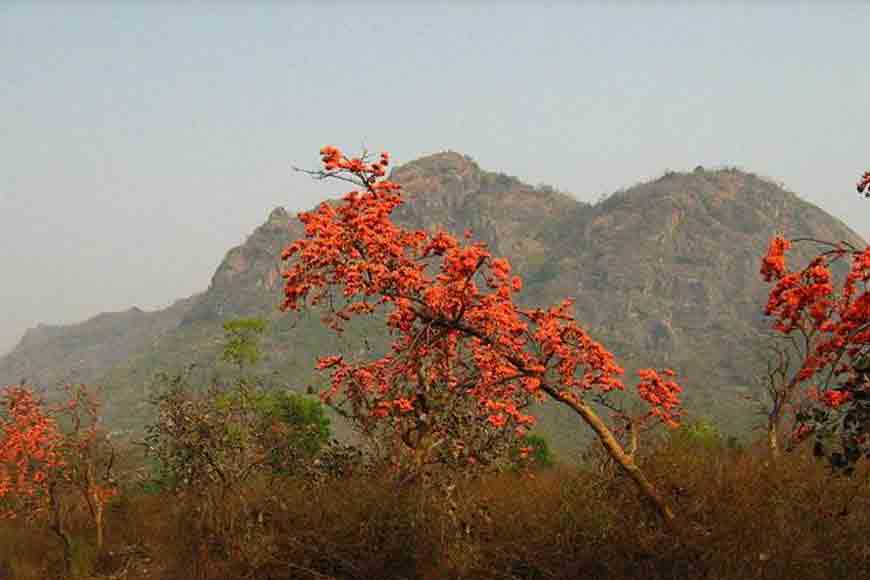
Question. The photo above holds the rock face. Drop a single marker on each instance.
(665, 273)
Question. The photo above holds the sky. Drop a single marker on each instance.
(138, 143)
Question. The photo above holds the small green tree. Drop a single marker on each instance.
(701, 432)
(533, 451)
(305, 417)
(242, 346)
(226, 435)
(291, 428)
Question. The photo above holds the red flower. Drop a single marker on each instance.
(773, 264)
(834, 399)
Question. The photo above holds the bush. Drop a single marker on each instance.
(700, 432)
(225, 437)
(746, 518)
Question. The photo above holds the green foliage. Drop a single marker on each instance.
(242, 341)
(154, 484)
(301, 419)
(227, 436)
(701, 432)
(304, 416)
(534, 451)
(541, 452)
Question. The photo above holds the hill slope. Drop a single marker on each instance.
(664, 273)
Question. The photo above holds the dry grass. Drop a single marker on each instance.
(742, 518)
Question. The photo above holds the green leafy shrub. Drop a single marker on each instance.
(700, 432)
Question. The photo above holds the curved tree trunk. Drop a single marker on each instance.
(613, 447)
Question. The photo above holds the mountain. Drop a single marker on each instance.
(665, 273)
(50, 355)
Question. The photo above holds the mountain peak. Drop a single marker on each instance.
(707, 186)
(278, 215)
(449, 173)
(442, 159)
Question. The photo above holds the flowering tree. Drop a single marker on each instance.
(825, 323)
(29, 453)
(458, 334)
(89, 456)
(47, 453)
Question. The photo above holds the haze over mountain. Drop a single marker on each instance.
(665, 273)
(146, 138)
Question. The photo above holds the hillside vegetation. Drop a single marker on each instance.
(748, 521)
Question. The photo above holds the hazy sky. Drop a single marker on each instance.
(139, 143)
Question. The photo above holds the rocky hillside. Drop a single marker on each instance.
(664, 273)
(50, 355)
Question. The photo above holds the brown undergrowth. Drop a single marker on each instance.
(741, 517)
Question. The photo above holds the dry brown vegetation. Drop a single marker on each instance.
(746, 518)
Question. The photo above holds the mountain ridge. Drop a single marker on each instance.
(664, 273)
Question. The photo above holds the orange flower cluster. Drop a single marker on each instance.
(29, 446)
(833, 318)
(800, 299)
(773, 264)
(334, 160)
(35, 454)
(834, 399)
(662, 394)
(450, 306)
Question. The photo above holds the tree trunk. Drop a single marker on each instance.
(615, 450)
(98, 519)
(773, 437)
(57, 525)
(774, 419)
(91, 491)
